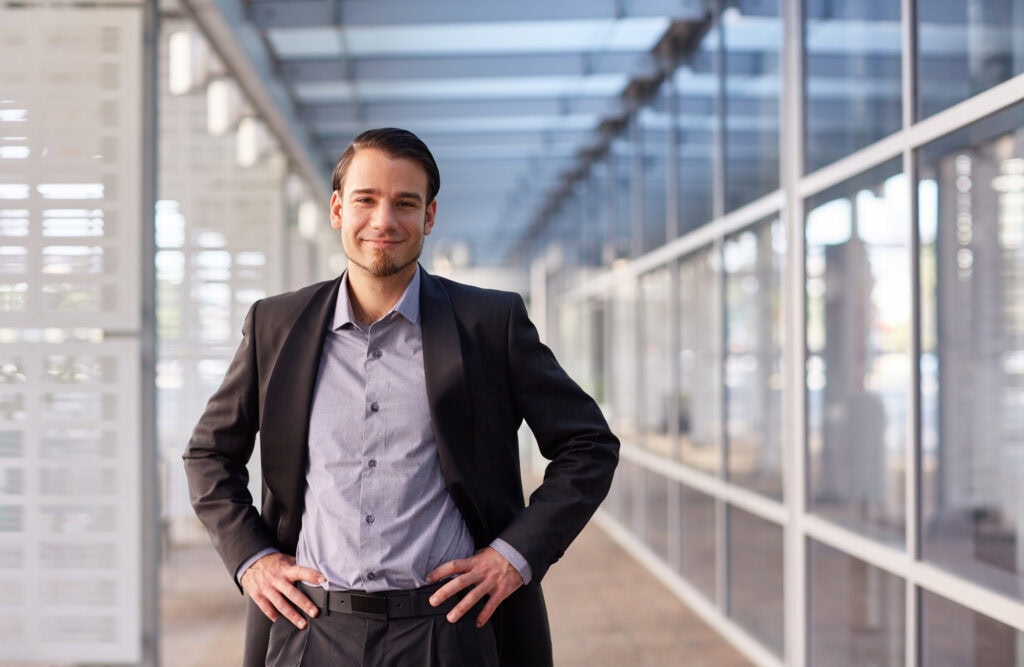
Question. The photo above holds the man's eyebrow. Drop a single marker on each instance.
(401, 195)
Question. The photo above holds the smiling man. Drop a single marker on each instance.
(393, 529)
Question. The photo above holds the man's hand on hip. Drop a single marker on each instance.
(270, 582)
(487, 572)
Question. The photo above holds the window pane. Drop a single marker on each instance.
(620, 500)
(858, 342)
(654, 137)
(699, 361)
(753, 45)
(972, 364)
(856, 612)
(696, 86)
(955, 635)
(852, 76)
(965, 47)
(756, 585)
(697, 546)
(655, 533)
(753, 264)
(656, 361)
(624, 362)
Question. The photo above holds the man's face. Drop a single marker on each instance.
(382, 214)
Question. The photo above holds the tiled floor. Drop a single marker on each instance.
(605, 611)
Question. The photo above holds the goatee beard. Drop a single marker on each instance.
(383, 263)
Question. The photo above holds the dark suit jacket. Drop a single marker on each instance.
(486, 371)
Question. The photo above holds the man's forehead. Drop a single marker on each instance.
(369, 166)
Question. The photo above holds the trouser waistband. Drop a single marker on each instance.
(380, 606)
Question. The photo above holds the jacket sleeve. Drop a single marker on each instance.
(216, 457)
(572, 432)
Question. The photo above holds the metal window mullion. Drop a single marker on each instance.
(792, 140)
(636, 182)
(912, 494)
(721, 505)
(718, 150)
(149, 455)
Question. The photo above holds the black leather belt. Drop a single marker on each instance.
(380, 606)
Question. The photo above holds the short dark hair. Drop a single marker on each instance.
(395, 143)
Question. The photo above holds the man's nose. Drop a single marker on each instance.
(384, 217)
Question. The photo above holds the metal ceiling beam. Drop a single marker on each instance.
(317, 13)
(323, 116)
(480, 66)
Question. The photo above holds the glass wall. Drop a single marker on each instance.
(700, 331)
(856, 612)
(858, 280)
(752, 32)
(971, 220)
(853, 94)
(819, 385)
(965, 47)
(659, 400)
(754, 319)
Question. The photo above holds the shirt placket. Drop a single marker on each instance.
(372, 497)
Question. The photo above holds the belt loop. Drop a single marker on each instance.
(327, 602)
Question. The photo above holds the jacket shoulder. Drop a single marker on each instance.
(297, 300)
(463, 294)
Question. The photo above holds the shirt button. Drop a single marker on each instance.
(375, 407)
(372, 463)
(369, 518)
(377, 354)
(371, 575)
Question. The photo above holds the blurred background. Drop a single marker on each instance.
(781, 242)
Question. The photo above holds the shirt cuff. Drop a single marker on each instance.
(252, 561)
(513, 557)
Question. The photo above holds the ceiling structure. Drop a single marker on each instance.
(513, 98)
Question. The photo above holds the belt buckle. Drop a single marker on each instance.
(372, 607)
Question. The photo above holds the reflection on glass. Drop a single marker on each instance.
(699, 402)
(620, 502)
(656, 360)
(754, 320)
(858, 342)
(955, 635)
(624, 362)
(856, 612)
(964, 48)
(756, 578)
(972, 346)
(654, 137)
(696, 87)
(853, 53)
(753, 81)
(656, 501)
(696, 541)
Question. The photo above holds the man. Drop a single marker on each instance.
(393, 529)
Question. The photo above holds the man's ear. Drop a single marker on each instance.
(428, 218)
(336, 210)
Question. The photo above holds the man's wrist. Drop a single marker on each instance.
(512, 555)
(252, 561)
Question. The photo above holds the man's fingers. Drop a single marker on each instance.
(282, 605)
(449, 569)
(488, 610)
(299, 573)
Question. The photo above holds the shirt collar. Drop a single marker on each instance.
(408, 305)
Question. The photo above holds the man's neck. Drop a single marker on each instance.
(373, 297)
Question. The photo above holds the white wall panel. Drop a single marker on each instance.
(71, 165)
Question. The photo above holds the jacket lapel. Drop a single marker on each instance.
(451, 405)
(284, 429)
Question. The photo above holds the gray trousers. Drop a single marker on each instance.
(343, 640)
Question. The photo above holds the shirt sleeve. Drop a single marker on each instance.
(513, 557)
(252, 561)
